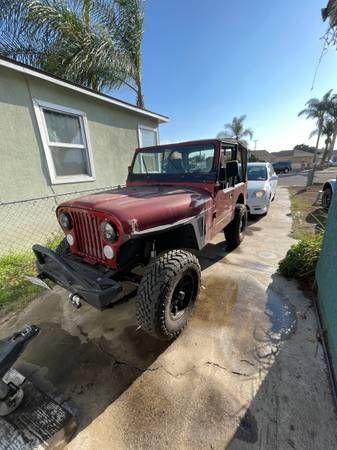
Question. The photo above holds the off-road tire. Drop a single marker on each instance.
(63, 248)
(157, 293)
(234, 232)
(326, 198)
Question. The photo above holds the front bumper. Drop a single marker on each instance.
(92, 284)
(258, 206)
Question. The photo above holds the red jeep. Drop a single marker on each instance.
(177, 198)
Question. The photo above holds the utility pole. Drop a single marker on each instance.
(255, 142)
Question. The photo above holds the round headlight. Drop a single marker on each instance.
(108, 231)
(65, 221)
(259, 194)
(70, 239)
(108, 252)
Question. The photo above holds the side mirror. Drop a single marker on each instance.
(232, 169)
(129, 169)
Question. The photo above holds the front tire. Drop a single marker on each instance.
(234, 232)
(326, 198)
(167, 293)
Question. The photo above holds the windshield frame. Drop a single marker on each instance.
(210, 176)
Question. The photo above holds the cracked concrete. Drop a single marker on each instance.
(247, 372)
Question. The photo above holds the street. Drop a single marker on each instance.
(247, 372)
(300, 178)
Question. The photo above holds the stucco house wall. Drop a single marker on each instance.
(113, 135)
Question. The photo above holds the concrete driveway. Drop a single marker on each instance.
(248, 371)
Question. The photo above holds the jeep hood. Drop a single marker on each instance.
(150, 206)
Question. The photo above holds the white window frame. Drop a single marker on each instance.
(146, 127)
(39, 106)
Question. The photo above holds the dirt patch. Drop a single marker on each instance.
(308, 215)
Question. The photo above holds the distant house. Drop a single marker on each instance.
(262, 155)
(298, 158)
(59, 137)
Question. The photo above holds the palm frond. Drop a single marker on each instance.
(313, 133)
(96, 43)
(236, 130)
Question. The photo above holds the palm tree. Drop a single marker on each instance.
(328, 130)
(332, 111)
(236, 129)
(317, 110)
(96, 43)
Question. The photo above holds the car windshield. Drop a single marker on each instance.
(257, 173)
(178, 161)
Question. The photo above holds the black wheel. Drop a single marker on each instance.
(63, 248)
(326, 197)
(167, 293)
(234, 232)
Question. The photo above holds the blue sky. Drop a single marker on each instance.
(207, 61)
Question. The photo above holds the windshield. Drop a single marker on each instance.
(257, 173)
(180, 161)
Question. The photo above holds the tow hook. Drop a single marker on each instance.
(75, 300)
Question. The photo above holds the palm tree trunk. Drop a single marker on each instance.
(332, 145)
(311, 173)
(326, 151)
(140, 98)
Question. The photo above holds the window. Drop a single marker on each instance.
(147, 136)
(201, 161)
(65, 138)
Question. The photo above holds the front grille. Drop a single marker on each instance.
(87, 234)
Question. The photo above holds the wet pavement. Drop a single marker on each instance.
(247, 372)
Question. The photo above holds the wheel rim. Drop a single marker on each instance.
(182, 296)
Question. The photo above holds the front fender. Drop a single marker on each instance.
(330, 183)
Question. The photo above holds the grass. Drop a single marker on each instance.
(15, 290)
(308, 219)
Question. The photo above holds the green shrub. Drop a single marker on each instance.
(301, 259)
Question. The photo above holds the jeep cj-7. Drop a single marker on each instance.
(177, 198)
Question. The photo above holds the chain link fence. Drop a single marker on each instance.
(27, 222)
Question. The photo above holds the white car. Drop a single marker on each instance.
(262, 183)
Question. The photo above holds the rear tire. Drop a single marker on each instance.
(234, 232)
(326, 198)
(167, 293)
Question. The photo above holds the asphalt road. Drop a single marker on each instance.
(300, 178)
